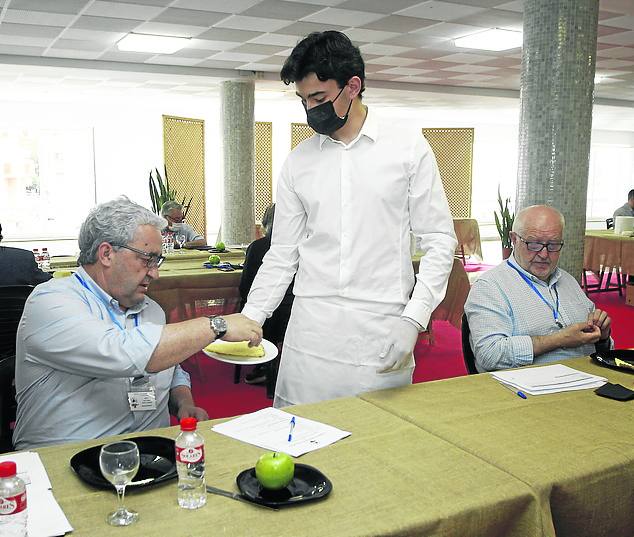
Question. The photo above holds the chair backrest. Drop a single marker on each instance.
(609, 223)
(467, 352)
(12, 299)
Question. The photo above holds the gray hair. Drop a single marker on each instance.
(169, 206)
(519, 224)
(115, 222)
(267, 219)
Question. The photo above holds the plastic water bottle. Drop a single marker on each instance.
(12, 502)
(38, 257)
(190, 464)
(46, 260)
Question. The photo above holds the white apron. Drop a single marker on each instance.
(331, 349)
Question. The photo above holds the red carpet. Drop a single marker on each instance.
(214, 390)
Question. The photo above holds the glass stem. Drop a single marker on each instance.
(120, 496)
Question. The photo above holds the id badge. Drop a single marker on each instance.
(142, 395)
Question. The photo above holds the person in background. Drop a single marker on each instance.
(94, 356)
(173, 213)
(628, 208)
(527, 310)
(18, 267)
(347, 200)
(274, 327)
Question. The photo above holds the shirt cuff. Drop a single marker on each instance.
(413, 322)
(180, 378)
(522, 349)
(418, 311)
(253, 314)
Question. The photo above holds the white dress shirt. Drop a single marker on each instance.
(343, 218)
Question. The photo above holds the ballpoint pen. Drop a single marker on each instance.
(290, 432)
(516, 392)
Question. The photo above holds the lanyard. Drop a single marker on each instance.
(555, 310)
(112, 317)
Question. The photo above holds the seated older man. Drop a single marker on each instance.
(173, 213)
(527, 310)
(94, 356)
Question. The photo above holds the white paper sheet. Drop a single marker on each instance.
(548, 379)
(45, 516)
(269, 428)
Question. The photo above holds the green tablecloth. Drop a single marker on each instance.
(389, 478)
(574, 449)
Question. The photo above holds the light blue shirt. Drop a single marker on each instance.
(76, 355)
(190, 233)
(503, 312)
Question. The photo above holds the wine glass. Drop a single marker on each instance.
(119, 463)
(180, 238)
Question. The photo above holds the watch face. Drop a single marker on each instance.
(220, 326)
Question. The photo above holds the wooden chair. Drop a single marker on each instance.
(12, 299)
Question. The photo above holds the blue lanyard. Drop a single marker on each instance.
(112, 317)
(555, 310)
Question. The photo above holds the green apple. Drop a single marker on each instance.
(214, 259)
(220, 246)
(274, 470)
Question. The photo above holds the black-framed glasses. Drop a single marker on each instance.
(151, 260)
(535, 246)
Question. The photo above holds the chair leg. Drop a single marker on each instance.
(236, 374)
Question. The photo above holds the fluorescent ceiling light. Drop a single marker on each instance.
(494, 39)
(157, 44)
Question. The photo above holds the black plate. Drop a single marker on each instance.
(158, 463)
(606, 358)
(308, 484)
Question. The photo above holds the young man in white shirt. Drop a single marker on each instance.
(347, 200)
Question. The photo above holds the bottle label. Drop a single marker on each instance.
(190, 454)
(13, 504)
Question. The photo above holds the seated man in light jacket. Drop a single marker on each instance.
(527, 310)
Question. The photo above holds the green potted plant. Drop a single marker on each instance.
(504, 223)
(160, 192)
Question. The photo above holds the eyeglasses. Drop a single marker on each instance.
(175, 220)
(151, 260)
(535, 246)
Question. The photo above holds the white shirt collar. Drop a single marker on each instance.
(370, 128)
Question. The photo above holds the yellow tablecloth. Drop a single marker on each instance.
(574, 449)
(605, 249)
(389, 477)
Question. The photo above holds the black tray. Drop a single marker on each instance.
(606, 358)
(308, 484)
(158, 463)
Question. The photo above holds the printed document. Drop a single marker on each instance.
(548, 379)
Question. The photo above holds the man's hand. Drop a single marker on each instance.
(398, 346)
(241, 328)
(600, 319)
(191, 411)
(578, 334)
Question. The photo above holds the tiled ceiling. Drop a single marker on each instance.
(404, 42)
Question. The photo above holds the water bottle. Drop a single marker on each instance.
(190, 464)
(46, 260)
(12, 502)
(38, 257)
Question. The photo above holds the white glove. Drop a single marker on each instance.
(398, 346)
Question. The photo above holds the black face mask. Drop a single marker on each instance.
(323, 118)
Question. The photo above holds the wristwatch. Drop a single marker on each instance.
(218, 325)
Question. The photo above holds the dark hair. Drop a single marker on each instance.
(630, 195)
(330, 55)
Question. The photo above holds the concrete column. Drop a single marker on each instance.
(238, 225)
(558, 61)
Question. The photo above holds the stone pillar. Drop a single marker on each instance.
(238, 225)
(558, 61)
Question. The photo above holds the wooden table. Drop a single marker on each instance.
(603, 250)
(390, 478)
(573, 449)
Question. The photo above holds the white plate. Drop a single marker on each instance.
(270, 352)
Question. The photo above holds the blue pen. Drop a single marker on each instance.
(290, 433)
(516, 392)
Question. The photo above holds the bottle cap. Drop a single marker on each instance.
(188, 424)
(7, 469)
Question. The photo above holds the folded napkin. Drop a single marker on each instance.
(238, 348)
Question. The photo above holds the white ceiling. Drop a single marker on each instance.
(48, 45)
